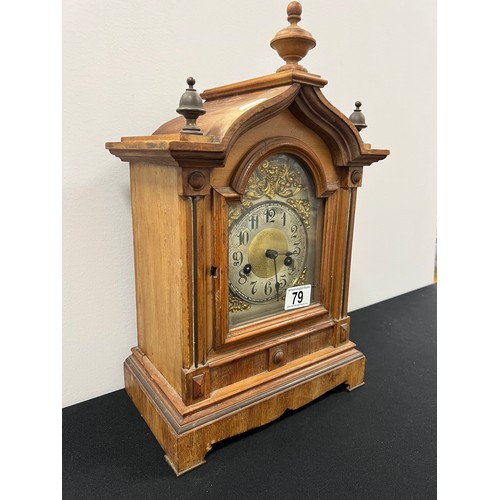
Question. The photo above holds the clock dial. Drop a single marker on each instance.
(274, 238)
(267, 250)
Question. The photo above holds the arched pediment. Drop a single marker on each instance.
(234, 109)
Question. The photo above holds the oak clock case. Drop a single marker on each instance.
(243, 214)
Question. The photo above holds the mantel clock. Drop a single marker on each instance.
(243, 212)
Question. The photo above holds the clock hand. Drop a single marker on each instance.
(273, 254)
(277, 285)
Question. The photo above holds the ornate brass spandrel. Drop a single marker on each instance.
(236, 304)
(274, 177)
(301, 280)
(236, 210)
(303, 208)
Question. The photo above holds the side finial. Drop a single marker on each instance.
(191, 107)
(293, 42)
(358, 118)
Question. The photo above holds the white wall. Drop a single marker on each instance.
(124, 69)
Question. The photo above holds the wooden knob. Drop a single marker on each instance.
(278, 356)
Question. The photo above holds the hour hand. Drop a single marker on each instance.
(273, 254)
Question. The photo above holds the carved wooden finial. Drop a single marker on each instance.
(293, 42)
(357, 117)
(191, 107)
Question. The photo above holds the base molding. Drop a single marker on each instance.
(186, 440)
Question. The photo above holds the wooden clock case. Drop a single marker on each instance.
(194, 379)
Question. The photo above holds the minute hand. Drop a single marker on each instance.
(273, 254)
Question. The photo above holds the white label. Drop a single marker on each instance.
(297, 296)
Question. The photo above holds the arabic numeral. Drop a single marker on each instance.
(243, 278)
(243, 237)
(270, 214)
(298, 297)
(254, 222)
(237, 258)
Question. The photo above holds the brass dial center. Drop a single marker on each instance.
(269, 238)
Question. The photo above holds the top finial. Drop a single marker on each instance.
(293, 42)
